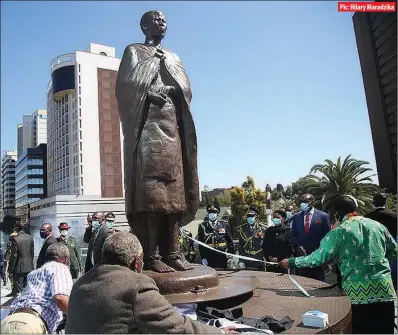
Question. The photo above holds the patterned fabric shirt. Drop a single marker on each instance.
(51, 279)
(362, 248)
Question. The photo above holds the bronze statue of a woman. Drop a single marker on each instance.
(160, 147)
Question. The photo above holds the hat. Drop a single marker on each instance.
(213, 208)
(253, 210)
(63, 225)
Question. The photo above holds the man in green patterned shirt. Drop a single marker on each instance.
(363, 249)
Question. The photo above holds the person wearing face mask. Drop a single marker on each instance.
(277, 244)
(216, 234)
(251, 235)
(126, 301)
(46, 233)
(95, 235)
(39, 308)
(289, 213)
(309, 227)
(75, 262)
(110, 222)
(363, 249)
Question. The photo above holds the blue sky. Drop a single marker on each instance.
(277, 86)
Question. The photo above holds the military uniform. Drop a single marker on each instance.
(216, 234)
(251, 240)
(74, 251)
(187, 247)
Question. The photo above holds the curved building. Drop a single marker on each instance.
(84, 138)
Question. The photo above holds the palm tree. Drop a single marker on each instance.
(351, 177)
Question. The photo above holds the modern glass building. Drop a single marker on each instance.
(30, 177)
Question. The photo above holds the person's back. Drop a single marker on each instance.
(362, 258)
(114, 299)
(105, 291)
(24, 258)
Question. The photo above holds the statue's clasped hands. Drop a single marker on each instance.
(160, 97)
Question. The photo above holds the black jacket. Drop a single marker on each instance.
(40, 260)
(95, 243)
(277, 242)
(386, 218)
(22, 252)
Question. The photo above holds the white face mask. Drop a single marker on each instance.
(63, 233)
(212, 216)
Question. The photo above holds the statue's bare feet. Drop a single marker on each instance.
(179, 263)
(157, 265)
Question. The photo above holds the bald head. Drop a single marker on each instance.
(153, 25)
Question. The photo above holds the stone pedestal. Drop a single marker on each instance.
(201, 284)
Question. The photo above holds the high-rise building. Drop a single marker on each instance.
(376, 36)
(8, 182)
(30, 179)
(20, 139)
(32, 131)
(84, 134)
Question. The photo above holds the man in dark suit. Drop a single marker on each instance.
(384, 216)
(126, 301)
(388, 219)
(21, 258)
(95, 235)
(46, 233)
(308, 229)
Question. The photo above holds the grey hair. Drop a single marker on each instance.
(121, 248)
(57, 251)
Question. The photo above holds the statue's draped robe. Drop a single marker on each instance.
(152, 182)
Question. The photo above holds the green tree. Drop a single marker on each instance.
(391, 202)
(224, 199)
(241, 199)
(331, 179)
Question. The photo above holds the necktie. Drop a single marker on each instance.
(307, 223)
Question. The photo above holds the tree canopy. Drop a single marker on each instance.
(352, 177)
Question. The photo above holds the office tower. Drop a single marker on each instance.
(376, 36)
(8, 182)
(20, 139)
(32, 131)
(30, 176)
(84, 135)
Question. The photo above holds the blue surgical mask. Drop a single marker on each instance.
(110, 224)
(303, 206)
(276, 221)
(212, 216)
(251, 219)
(289, 215)
(95, 225)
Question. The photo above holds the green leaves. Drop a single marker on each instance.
(353, 177)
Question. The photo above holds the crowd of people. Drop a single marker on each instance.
(114, 296)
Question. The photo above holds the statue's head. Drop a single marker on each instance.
(153, 24)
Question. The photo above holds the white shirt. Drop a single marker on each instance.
(311, 213)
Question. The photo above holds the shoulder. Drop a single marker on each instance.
(320, 213)
(172, 54)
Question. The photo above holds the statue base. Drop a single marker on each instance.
(200, 284)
